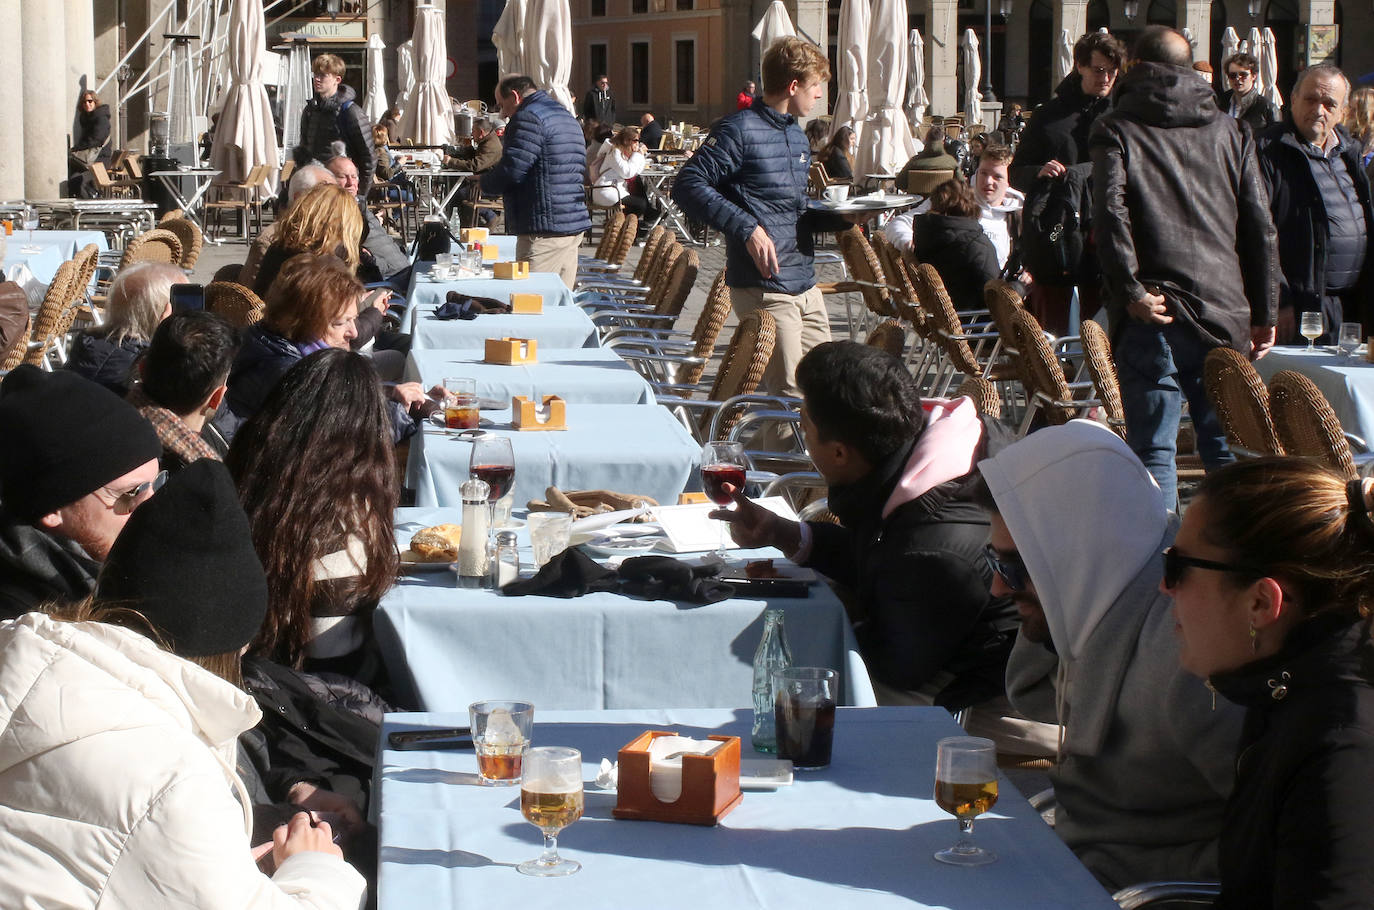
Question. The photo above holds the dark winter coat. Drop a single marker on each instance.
(960, 252)
(93, 132)
(340, 118)
(837, 166)
(541, 170)
(1058, 132)
(1195, 227)
(1255, 110)
(921, 580)
(100, 360)
(1300, 216)
(752, 171)
(594, 107)
(37, 567)
(1297, 831)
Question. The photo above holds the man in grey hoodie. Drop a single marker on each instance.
(1146, 753)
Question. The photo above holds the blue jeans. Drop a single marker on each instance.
(1158, 367)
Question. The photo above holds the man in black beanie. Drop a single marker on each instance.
(75, 460)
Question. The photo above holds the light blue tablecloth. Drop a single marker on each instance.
(424, 292)
(1348, 384)
(583, 375)
(54, 248)
(454, 646)
(629, 448)
(858, 834)
(556, 327)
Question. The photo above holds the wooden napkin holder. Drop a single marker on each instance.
(710, 784)
(688, 499)
(474, 235)
(530, 304)
(490, 254)
(512, 351)
(525, 414)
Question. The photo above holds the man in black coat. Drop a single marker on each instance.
(1186, 246)
(910, 540)
(599, 104)
(1320, 199)
(650, 132)
(1244, 100)
(1055, 148)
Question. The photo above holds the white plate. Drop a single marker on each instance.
(412, 562)
(630, 541)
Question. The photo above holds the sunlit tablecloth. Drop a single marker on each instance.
(423, 292)
(584, 375)
(52, 248)
(557, 327)
(858, 834)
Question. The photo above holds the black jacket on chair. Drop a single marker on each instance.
(1296, 205)
(1164, 216)
(960, 252)
(1297, 831)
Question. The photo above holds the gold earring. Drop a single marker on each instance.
(1254, 639)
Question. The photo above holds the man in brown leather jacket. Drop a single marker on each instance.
(1186, 244)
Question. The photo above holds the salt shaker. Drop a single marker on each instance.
(505, 564)
(472, 550)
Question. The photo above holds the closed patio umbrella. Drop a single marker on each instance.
(851, 50)
(1230, 44)
(374, 102)
(1269, 68)
(428, 118)
(886, 144)
(405, 73)
(973, 71)
(1252, 46)
(548, 48)
(509, 40)
(916, 99)
(298, 90)
(1063, 58)
(775, 24)
(246, 136)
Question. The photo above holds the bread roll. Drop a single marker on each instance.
(437, 544)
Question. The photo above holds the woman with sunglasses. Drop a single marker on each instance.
(90, 143)
(1272, 575)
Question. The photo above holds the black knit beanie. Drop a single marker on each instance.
(62, 437)
(185, 561)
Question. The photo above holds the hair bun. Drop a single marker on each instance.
(1359, 510)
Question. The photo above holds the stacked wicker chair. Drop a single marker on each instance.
(1307, 426)
(741, 369)
(192, 241)
(1048, 391)
(889, 335)
(1242, 403)
(984, 395)
(157, 245)
(1097, 354)
(55, 317)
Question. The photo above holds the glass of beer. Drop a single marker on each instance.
(501, 737)
(804, 711)
(460, 404)
(965, 787)
(551, 799)
(1311, 327)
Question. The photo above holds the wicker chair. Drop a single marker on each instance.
(946, 330)
(1097, 353)
(707, 330)
(652, 243)
(236, 303)
(86, 261)
(1048, 391)
(1242, 403)
(889, 335)
(610, 233)
(55, 317)
(984, 395)
(157, 245)
(192, 241)
(11, 358)
(1307, 426)
(741, 369)
(629, 227)
(866, 272)
(673, 361)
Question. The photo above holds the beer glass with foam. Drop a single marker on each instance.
(551, 799)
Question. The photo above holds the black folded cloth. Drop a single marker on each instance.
(465, 306)
(573, 573)
(665, 578)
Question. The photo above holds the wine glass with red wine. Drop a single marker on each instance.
(722, 463)
(493, 461)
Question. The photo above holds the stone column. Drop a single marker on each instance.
(1071, 15)
(1318, 12)
(942, 56)
(1018, 51)
(812, 23)
(80, 27)
(12, 101)
(47, 109)
(1196, 16)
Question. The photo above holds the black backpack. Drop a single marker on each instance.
(433, 238)
(1054, 228)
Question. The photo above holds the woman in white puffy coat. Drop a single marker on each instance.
(619, 160)
(117, 781)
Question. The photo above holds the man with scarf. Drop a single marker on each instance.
(910, 540)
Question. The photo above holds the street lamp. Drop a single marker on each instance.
(333, 8)
(1253, 8)
(1004, 10)
(1132, 9)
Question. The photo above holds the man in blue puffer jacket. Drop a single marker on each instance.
(749, 182)
(540, 175)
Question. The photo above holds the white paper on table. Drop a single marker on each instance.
(689, 529)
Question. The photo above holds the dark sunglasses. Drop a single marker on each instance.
(1010, 568)
(1175, 562)
(1236, 77)
(126, 502)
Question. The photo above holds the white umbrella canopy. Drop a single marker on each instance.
(374, 102)
(298, 91)
(508, 36)
(246, 136)
(973, 71)
(405, 73)
(1269, 68)
(1251, 45)
(886, 144)
(1063, 58)
(775, 24)
(548, 48)
(1230, 44)
(916, 99)
(428, 118)
(851, 50)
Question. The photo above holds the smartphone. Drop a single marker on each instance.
(453, 738)
(188, 297)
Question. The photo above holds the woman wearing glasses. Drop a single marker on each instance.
(1272, 575)
(90, 143)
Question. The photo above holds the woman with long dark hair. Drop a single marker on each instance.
(1272, 575)
(90, 143)
(316, 474)
(838, 156)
